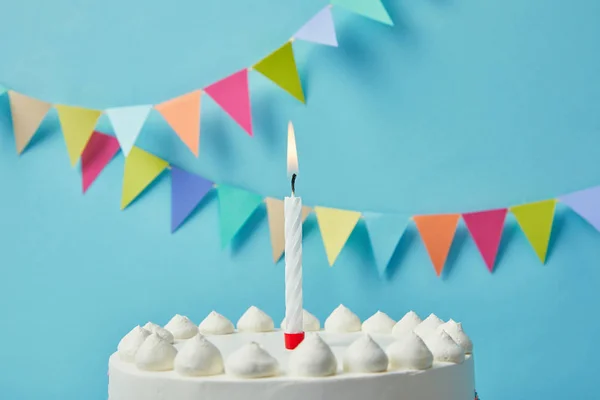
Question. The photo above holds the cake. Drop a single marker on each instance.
(376, 359)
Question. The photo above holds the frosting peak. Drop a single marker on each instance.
(255, 320)
(199, 357)
(310, 323)
(155, 354)
(342, 320)
(454, 329)
(160, 331)
(312, 358)
(130, 344)
(251, 361)
(181, 327)
(378, 323)
(215, 324)
(364, 355)
(409, 352)
(428, 326)
(444, 349)
(409, 322)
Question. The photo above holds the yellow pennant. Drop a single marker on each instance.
(280, 67)
(141, 168)
(535, 220)
(77, 125)
(336, 226)
(27, 114)
(275, 214)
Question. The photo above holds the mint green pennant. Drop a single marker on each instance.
(235, 207)
(372, 9)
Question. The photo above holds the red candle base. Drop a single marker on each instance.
(292, 340)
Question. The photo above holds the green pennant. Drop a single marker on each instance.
(235, 207)
(280, 67)
(535, 220)
(372, 9)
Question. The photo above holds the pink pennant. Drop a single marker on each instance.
(486, 229)
(232, 95)
(98, 152)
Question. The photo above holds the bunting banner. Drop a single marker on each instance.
(535, 220)
(235, 207)
(336, 226)
(141, 169)
(275, 214)
(97, 154)
(385, 232)
(187, 191)
(182, 113)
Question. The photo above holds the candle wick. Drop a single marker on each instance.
(293, 184)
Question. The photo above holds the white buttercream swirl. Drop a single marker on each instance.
(310, 323)
(312, 358)
(199, 357)
(215, 324)
(255, 320)
(364, 355)
(160, 331)
(342, 320)
(444, 348)
(181, 327)
(378, 323)
(130, 343)
(155, 354)
(455, 330)
(251, 361)
(428, 326)
(409, 352)
(409, 322)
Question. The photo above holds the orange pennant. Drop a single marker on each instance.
(437, 232)
(183, 115)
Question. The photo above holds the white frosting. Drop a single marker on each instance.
(181, 327)
(251, 361)
(129, 345)
(409, 322)
(255, 320)
(310, 323)
(428, 326)
(215, 324)
(364, 355)
(454, 329)
(443, 348)
(378, 323)
(312, 358)
(155, 354)
(342, 320)
(409, 352)
(160, 331)
(199, 357)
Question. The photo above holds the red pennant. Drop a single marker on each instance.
(98, 152)
(232, 95)
(437, 232)
(486, 229)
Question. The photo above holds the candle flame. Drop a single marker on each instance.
(292, 154)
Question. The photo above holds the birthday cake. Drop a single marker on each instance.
(382, 359)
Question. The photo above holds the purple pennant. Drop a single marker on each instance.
(586, 203)
(319, 29)
(187, 191)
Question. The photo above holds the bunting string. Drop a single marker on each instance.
(182, 113)
(236, 206)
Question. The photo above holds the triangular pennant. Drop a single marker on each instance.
(183, 116)
(127, 123)
(187, 191)
(319, 29)
(141, 168)
(486, 229)
(235, 207)
(77, 125)
(385, 231)
(280, 67)
(232, 95)
(437, 233)
(535, 220)
(27, 115)
(336, 226)
(586, 203)
(99, 151)
(275, 213)
(372, 9)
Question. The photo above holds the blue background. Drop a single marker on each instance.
(463, 105)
